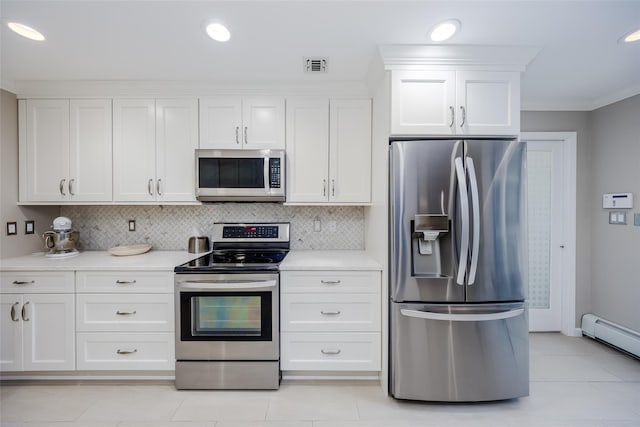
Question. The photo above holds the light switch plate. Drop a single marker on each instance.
(636, 219)
(132, 225)
(29, 227)
(618, 218)
(12, 228)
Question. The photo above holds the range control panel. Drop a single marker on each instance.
(250, 231)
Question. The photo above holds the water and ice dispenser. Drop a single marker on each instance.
(429, 231)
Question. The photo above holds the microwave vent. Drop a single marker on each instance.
(315, 65)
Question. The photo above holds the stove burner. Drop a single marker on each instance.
(237, 259)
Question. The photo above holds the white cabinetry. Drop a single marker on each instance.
(65, 150)
(242, 123)
(125, 320)
(433, 102)
(330, 321)
(328, 151)
(154, 143)
(36, 321)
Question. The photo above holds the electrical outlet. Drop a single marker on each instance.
(317, 225)
(332, 226)
(132, 225)
(29, 227)
(636, 219)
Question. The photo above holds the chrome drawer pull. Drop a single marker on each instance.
(125, 313)
(127, 351)
(125, 282)
(13, 312)
(330, 313)
(330, 282)
(24, 282)
(323, 351)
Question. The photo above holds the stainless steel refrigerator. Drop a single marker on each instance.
(458, 257)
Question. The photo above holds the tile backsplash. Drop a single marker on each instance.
(169, 227)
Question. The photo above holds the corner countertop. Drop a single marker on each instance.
(98, 260)
(329, 260)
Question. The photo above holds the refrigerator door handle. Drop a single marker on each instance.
(475, 206)
(462, 317)
(464, 212)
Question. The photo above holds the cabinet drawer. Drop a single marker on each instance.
(30, 282)
(125, 351)
(330, 351)
(124, 312)
(330, 312)
(330, 281)
(124, 281)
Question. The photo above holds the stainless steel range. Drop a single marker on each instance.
(227, 310)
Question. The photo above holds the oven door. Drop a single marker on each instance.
(227, 316)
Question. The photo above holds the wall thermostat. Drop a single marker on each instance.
(617, 201)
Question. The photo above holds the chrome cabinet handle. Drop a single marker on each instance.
(24, 282)
(330, 282)
(330, 313)
(24, 312)
(159, 187)
(324, 187)
(237, 132)
(333, 187)
(135, 350)
(125, 313)
(61, 187)
(245, 135)
(464, 115)
(336, 351)
(453, 115)
(13, 312)
(125, 282)
(71, 186)
(150, 187)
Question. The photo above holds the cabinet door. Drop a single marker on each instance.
(176, 142)
(47, 150)
(307, 149)
(488, 102)
(49, 332)
(90, 150)
(263, 121)
(10, 333)
(134, 155)
(350, 151)
(221, 122)
(422, 102)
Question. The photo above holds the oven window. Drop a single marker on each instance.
(225, 316)
(231, 173)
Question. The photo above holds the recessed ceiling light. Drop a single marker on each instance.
(631, 37)
(218, 32)
(444, 30)
(25, 31)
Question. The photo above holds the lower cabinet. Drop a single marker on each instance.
(125, 320)
(330, 321)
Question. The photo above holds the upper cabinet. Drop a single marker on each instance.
(328, 151)
(455, 102)
(154, 142)
(65, 150)
(242, 122)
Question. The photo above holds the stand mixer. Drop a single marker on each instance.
(62, 240)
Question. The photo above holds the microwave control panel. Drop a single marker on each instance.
(274, 172)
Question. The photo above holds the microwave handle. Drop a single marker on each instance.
(267, 176)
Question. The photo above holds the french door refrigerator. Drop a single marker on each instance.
(458, 257)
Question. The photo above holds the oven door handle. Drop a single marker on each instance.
(226, 284)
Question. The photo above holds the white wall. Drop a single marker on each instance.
(20, 244)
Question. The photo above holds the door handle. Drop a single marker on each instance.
(150, 187)
(464, 208)
(453, 115)
(475, 208)
(159, 187)
(477, 317)
(71, 182)
(333, 188)
(464, 115)
(24, 312)
(237, 133)
(245, 135)
(13, 312)
(61, 187)
(324, 187)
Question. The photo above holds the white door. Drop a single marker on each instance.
(263, 123)
(49, 332)
(545, 217)
(47, 149)
(10, 333)
(307, 149)
(134, 150)
(90, 150)
(176, 142)
(221, 122)
(350, 151)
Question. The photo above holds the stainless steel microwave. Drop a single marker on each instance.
(240, 175)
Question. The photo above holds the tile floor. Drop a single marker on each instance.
(575, 382)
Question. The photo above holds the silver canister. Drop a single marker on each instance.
(199, 244)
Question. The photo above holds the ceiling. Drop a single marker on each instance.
(581, 65)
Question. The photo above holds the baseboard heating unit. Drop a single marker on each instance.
(611, 333)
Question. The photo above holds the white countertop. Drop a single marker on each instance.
(329, 260)
(98, 260)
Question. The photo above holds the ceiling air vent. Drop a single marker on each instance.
(315, 65)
